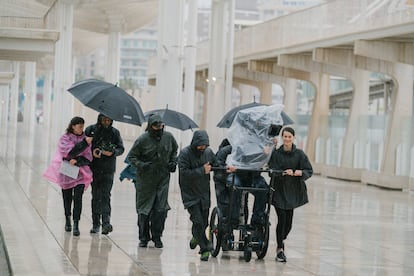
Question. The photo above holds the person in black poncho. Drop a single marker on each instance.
(194, 163)
(154, 156)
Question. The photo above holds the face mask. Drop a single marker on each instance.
(201, 149)
(158, 132)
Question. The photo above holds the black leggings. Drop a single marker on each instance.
(284, 225)
(74, 194)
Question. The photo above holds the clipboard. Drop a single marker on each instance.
(67, 169)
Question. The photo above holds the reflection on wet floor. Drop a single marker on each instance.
(346, 229)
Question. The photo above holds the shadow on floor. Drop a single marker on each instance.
(5, 267)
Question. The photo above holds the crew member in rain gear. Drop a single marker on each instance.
(154, 155)
(194, 163)
(107, 144)
(220, 178)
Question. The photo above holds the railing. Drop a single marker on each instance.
(368, 149)
(335, 20)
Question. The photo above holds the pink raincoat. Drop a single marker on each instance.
(66, 142)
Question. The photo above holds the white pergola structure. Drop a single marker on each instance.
(44, 34)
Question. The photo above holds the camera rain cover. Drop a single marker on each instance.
(249, 136)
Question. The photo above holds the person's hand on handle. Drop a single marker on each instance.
(231, 169)
(107, 153)
(288, 172)
(207, 168)
(298, 173)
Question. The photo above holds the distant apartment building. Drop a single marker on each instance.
(135, 50)
(270, 9)
(91, 65)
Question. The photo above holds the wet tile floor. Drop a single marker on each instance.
(346, 229)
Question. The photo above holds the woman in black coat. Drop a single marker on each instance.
(291, 168)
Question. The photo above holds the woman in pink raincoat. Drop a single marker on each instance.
(75, 148)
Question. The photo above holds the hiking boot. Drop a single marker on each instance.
(193, 243)
(94, 229)
(280, 257)
(106, 229)
(205, 255)
(158, 244)
(143, 244)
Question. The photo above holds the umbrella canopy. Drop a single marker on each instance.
(228, 118)
(108, 99)
(173, 118)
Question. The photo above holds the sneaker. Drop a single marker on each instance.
(143, 244)
(158, 244)
(205, 255)
(106, 229)
(280, 257)
(95, 229)
(193, 243)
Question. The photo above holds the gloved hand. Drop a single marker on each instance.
(172, 167)
(146, 165)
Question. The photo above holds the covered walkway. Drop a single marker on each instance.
(346, 229)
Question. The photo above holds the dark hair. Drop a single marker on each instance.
(288, 129)
(224, 143)
(274, 130)
(75, 121)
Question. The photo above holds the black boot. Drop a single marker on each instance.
(68, 226)
(76, 228)
(96, 222)
(106, 225)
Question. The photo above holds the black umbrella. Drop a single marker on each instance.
(173, 118)
(108, 99)
(228, 118)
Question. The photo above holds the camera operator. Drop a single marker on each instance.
(106, 146)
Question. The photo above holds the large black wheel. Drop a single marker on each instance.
(263, 239)
(215, 234)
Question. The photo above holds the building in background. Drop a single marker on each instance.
(137, 47)
(269, 9)
(91, 65)
(248, 13)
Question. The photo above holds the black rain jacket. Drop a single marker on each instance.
(106, 139)
(194, 183)
(154, 159)
(290, 191)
